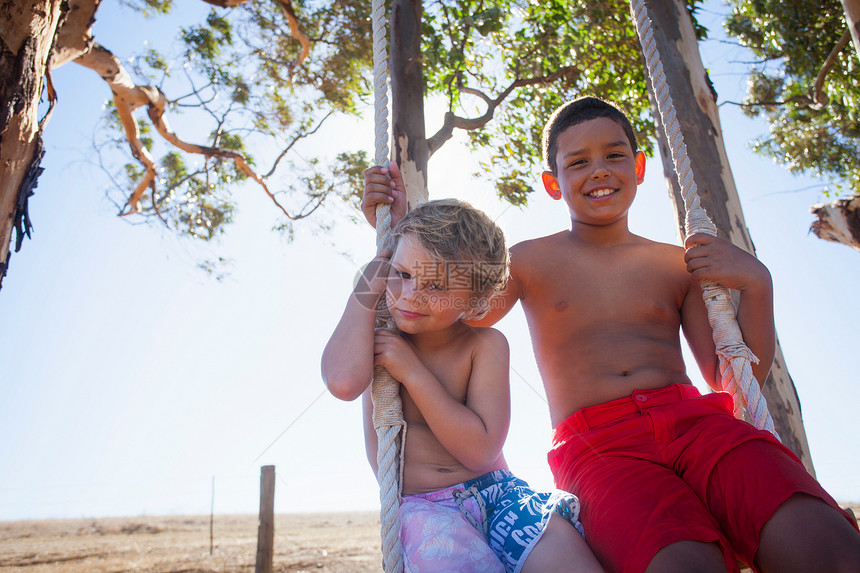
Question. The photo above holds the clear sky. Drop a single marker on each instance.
(129, 378)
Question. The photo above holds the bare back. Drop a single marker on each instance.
(604, 320)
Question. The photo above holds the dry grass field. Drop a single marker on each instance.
(335, 543)
(324, 542)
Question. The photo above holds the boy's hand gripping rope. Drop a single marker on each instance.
(735, 358)
(387, 408)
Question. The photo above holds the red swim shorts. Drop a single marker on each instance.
(669, 465)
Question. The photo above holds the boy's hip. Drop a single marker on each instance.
(670, 426)
(638, 403)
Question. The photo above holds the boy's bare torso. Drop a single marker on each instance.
(428, 465)
(604, 320)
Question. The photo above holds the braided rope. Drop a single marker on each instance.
(387, 408)
(735, 358)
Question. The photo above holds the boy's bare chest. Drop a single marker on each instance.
(626, 289)
(452, 370)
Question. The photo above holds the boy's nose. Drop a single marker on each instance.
(600, 171)
(408, 290)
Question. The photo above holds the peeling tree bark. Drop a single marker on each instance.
(411, 150)
(838, 221)
(27, 30)
(695, 104)
(75, 36)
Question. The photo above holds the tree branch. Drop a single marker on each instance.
(128, 97)
(818, 99)
(296, 32)
(453, 121)
(818, 96)
(74, 37)
(295, 140)
(226, 3)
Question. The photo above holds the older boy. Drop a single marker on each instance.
(668, 479)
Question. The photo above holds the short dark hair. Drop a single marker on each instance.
(575, 112)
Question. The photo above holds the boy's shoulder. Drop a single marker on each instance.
(659, 246)
(533, 249)
(487, 337)
(529, 248)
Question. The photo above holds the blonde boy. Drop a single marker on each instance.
(462, 509)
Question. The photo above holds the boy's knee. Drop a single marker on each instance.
(684, 556)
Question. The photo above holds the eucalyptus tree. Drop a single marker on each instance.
(805, 82)
(263, 76)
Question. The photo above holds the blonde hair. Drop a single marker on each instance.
(452, 232)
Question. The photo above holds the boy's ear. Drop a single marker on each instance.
(550, 183)
(640, 167)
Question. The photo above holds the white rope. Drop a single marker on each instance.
(735, 358)
(387, 408)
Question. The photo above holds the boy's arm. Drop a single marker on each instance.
(474, 432)
(347, 361)
(500, 304)
(504, 301)
(720, 261)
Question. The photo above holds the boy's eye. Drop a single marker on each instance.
(403, 275)
(435, 287)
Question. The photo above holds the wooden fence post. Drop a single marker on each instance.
(212, 519)
(266, 531)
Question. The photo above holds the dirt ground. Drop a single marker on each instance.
(323, 542)
(332, 542)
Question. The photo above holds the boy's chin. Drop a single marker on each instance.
(405, 326)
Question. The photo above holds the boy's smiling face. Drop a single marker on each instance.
(598, 172)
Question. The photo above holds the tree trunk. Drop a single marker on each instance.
(852, 19)
(27, 30)
(407, 96)
(695, 104)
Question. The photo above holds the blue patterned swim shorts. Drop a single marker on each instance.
(450, 529)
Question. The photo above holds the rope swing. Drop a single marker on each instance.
(736, 376)
(385, 391)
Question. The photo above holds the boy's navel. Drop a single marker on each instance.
(562, 306)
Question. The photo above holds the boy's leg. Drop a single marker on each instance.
(685, 556)
(634, 506)
(829, 542)
(531, 531)
(774, 513)
(643, 517)
(561, 548)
